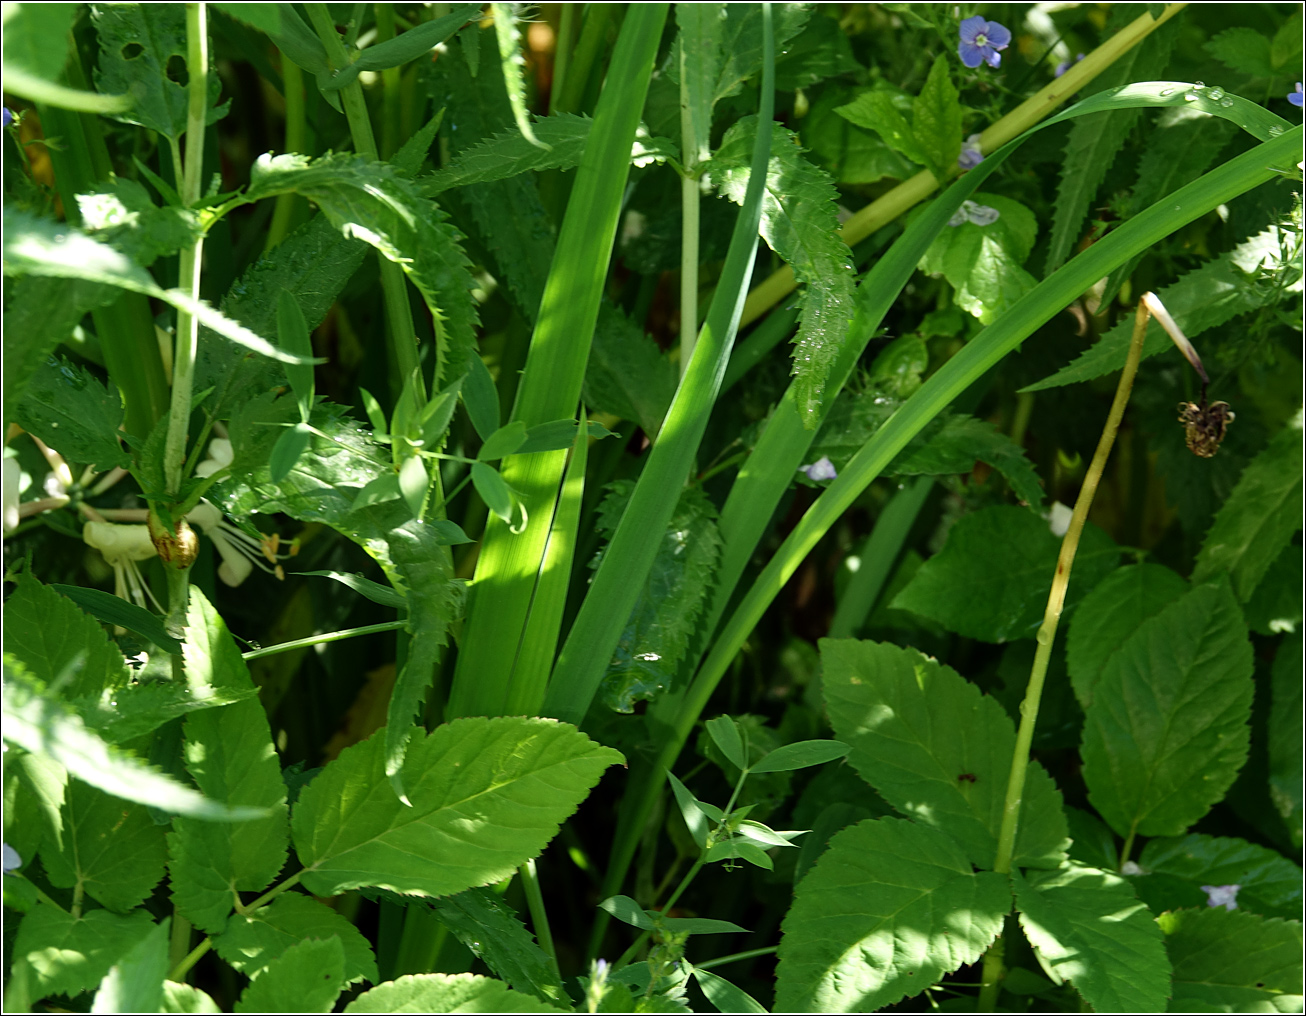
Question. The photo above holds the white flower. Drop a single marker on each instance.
(979, 215)
(822, 469)
(13, 490)
(1222, 896)
(1059, 518)
(1130, 868)
(220, 456)
(239, 551)
(122, 546)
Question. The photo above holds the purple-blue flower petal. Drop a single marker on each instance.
(1296, 97)
(971, 56)
(999, 35)
(972, 27)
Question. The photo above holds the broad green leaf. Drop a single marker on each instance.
(1285, 734)
(36, 37)
(42, 312)
(937, 749)
(1246, 50)
(291, 444)
(992, 578)
(124, 216)
(483, 922)
(1095, 140)
(413, 484)
(800, 755)
(936, 121)
(1200, 300)
(487, 794)
(135, 982)
(626, 910)
(507, 440)
(114, 610)
(112, 849)
(698, 56)
(627, 374)
(421, 993)
(1110, 614)
(983, 262)
(307, 977)
(800, 222)
(417, 42)
(34, 791)
(820, 51)
(1086, 927)
(876, 111)
(293, 336)
(887, 910)
(138, 43)
(1167, 731)
(252, 942)
(186, 998)
(1276, 604)
(1260, 516)
(1093, 845)
(724, 995)
(849, 154)
(1233, 961)
(663, 619)
(68, 955)
(741, 41)
(955, 447)
(1174, 871)
(726, 735)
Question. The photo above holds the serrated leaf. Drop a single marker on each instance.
(486, 795)
(124, 216)
(185, 998)
(1174, 871)
(42, 312)
(876, 111)
(1233, 961)
(111, 849)
(252, 942)
(799, 755)
(1110, 614)
(992, 577)
(417, 42)
(1202, 299)
(937, 750)
(741, 41)
(138, 42)
(34, 791)
(627, 374)
(983, 262)
(887, 909)
(491, 929)
(822, 50)
(135, 982)
(1086, 927)
(1275, 605)
(1285, 734)
(307, 977)
(958, 444)
(657, 634)
(1245, 50)
(68, 955)
(1259, 517)
(698, 49)
(800, 222)
(1167, 731)
(446, 993)
(936, 121)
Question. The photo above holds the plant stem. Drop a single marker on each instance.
(749, 954)
(403, 336)
(390, 83)
(179, 972)
(1047, 634)
(539, 916)
(316, 640)
(296, 141)
(911, 192)
(689, 224)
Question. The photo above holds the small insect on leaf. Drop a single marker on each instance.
(966, 778)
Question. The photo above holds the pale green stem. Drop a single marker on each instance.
(179, 972)
(539, 916)
(179, 939)
(292, 79)
(390, 83)
(749, 954)
(689, 219)
(1047, 634)
(317, 640)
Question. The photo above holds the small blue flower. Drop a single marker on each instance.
(1222, 896)
(973, 212)
(1295, 97)
(1064, 65)
(970, 156)
(9, 117)
(822, 469)
(12, 862)
(981, 42)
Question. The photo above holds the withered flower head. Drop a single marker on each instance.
(1205, 426)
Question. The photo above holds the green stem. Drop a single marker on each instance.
(539, 916)
(179, 939)
(296, 141)
(689, 226)
(562, 55)
(749, 954)
(179, 972)
(403, 336)
(1047, 635)
(390, 84)
(316, 640)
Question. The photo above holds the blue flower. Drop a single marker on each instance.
(9, 117)
(970, 156)
(1064, 65)
(1222, 896)
(973, 212)
(12, 862)
(1293, 97)
(981, 41)
(822, 469)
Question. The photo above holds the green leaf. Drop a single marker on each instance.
(487, 794)
(1167, 731)
(493, 489)
(447, 993)
(283, 25)
(958, 443)
(983, 262)
(726, 735)
(307, 977)
(874, 921)
(1174, 871)
(800, 755)
(253, 941)
(1086, 927)
(511, 62)
(42, 312)
(111, 849)
(68, 955)
(374, 591)
(507, 440)
(36, 40)
(492, 931)
(800, 222)
(1260, 516)
(1233, 961)
(918, 730)
(741, 41)
(820, 51)
(699, 817)
(1276, 604)
(1202, 299)
(1112, 612)
(662, 621)
(627, 374)
(34, 792)
(293, 337)
(698, 56)
(699, 925)
(185, 998)
(626, 910)
(138, 45)
(289, 449)
(876, 111)
(559, 434)
(1245, 50)
(114, 610)
(724, 995)
(417, 42)
(481, 398)
(936, 121)
(135, 982)
(124, 216)
(992, 577)
(851, 155)
(1285, 734)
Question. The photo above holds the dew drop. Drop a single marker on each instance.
(1216, 93)
(1275, 130)
(1190, 96)
(1226, 102)
(1199, 85)
(1044, 637)
(1167, 91)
